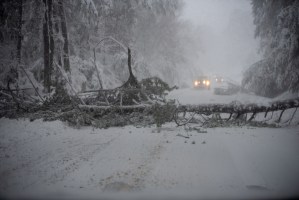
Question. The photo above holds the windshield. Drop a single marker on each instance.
(149, 99)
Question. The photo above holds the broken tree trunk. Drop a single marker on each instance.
(132, 81)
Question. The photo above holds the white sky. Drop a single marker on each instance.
(213, 12)
(228, 35)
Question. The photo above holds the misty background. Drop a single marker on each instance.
(226, 29)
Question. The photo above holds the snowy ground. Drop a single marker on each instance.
(51, 159)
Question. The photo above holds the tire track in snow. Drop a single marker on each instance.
(134, 178)
(85, 154)
(49, 166)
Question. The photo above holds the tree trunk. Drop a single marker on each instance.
(20, 37)
(204, 108)
(240, 109)
(66, 60)
(47, 79)
(48, 44)
(51, 55)
(129, 62)
(132, 81)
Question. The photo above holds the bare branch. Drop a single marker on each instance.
(32, 84)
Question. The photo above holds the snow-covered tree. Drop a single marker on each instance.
(277, 26)
(65, 33)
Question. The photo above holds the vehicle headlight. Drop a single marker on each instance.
(208, 83)
(195, 83)
(204, 82)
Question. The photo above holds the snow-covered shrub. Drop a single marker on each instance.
(155, 86)
(260, 78)
(163, 113)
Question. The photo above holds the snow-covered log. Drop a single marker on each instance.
(240, 108)
(208, 108)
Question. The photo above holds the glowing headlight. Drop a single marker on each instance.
(195, 83)
(204, 82)
(208, 83)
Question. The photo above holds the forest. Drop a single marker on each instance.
(126, 53)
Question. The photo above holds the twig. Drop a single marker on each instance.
(293, 116)
(8, 95)
(175, 118)
(252, 117)
(113, 39)
(182, 136)
(280, 116)
(16, 89)
(230, 116)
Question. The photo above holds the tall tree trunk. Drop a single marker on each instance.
(48, 43)
(20, 37)
(58, 48)
(47, 80)
(50, 18)
(66, 60)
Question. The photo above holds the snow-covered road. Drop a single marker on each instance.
(50, 158)
(200, 96)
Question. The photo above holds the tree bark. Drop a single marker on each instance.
(51, 38)
(47, 79)
(240, 109)
(66, 60)
(129, 62)
(48, 43)
(132, 81)
(208, 108)
(20, 37)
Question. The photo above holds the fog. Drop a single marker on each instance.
(226, 29)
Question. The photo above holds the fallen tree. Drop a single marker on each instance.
(134, 102)
(238, 108)
(153, 112)
(202, 114)
(209, 114)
